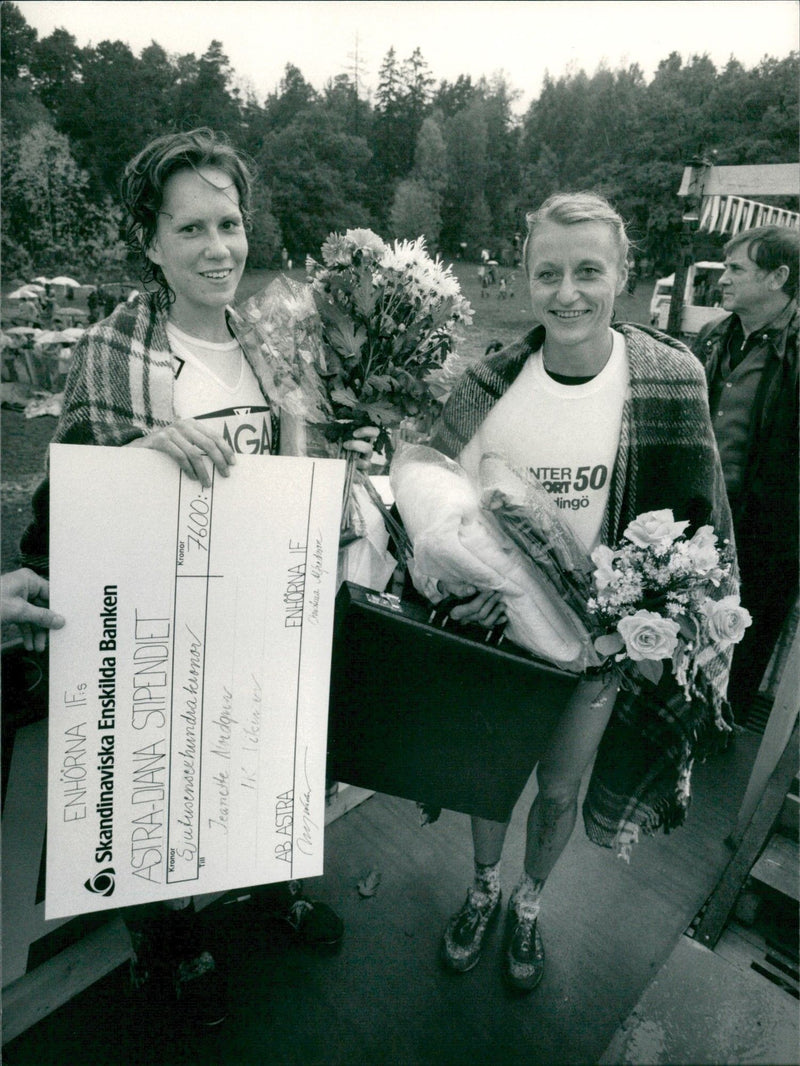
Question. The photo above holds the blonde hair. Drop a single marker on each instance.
(567, 208)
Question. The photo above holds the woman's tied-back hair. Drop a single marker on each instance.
(770, 248)
(567, 208)
(145, 178)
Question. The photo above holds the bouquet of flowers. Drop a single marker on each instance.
(389, 316)
(654, 600)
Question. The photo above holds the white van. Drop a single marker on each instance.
(702, 299)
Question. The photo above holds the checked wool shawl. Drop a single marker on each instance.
(121, 380)
(667, 458)
(120, 387)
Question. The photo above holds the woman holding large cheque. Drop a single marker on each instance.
(167, 371)
(614, 422)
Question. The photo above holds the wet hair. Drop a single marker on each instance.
(771, 247)
(145, 178)
(567, 208)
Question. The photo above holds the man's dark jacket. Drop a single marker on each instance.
(765, 512)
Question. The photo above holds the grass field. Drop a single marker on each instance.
(24, 441)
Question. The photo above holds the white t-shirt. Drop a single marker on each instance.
(567, 436)
(214, 383)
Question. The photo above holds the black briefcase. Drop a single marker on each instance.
(428, 710)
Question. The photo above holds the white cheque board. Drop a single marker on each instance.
(189, 687)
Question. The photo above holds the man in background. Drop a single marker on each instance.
(750, 357)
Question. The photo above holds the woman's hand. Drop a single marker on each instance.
(362, 442)
(190, 444)
(484, 609)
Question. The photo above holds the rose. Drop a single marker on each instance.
(605, 574)
(654, 528)
(648, 636)
(726, 619)
(702, 550)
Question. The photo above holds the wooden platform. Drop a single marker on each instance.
(384, 1000)
(702, 1009)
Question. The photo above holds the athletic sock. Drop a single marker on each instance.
(486, 886)
(526, 897)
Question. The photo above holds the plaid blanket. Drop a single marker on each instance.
(667, 458)
(120, 387)
(120, 384)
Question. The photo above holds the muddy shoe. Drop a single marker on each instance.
(465, 932)
(308, 921)
(524, 953)
(201, 992)
(169, 962)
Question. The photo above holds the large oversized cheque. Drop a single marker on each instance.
(189, 688)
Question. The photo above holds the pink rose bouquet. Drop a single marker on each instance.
(654, 600)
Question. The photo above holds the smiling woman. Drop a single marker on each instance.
(200, 247)
(613, 420)
(167, 371)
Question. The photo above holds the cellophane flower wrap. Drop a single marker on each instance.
(285, 334)
(390, 314)
(658, 597)
(456, 540)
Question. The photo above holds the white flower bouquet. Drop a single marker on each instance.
(389, 317)
(654, 600)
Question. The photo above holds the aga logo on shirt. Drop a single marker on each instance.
(246, 429)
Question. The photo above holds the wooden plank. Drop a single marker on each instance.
(772, 179)
(780, 724)
(721, 901)
(778, 866)
(24, 820)
(748, 950)
(701, 1009)
(32, 997)
(790, 816)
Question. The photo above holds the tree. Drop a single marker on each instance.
(452, 97)
(402, 102)
(415, 213)
(430, 156)
(417, 88)
(314, 169)
(205, 96)
(264, 238)
(294, 96)
(17, 42)
(464, 208)
(56, 66)
(392, 148)
(47, 209)
(341, 98)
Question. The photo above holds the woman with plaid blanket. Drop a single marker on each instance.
(167, 371)
(614, 422)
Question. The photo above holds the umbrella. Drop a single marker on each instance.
(68, 282)
(60, 336)
(25, 293)
(18, 331)
(51, 336)
(35, 286)
(41, 281)
(10, 342)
